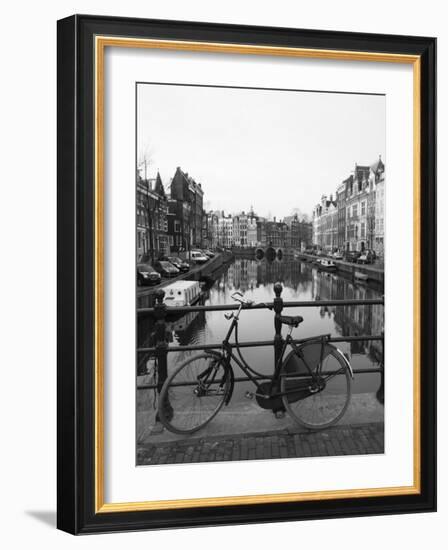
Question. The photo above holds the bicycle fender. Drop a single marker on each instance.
(346, 361)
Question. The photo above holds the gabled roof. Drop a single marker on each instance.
(378, 166)
(158, 186)
(361, 172)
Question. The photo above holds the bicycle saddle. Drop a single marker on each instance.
(291, 320)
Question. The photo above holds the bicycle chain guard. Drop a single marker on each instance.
(269, 403)
(300, 389)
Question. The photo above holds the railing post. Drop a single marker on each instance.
(161, 343)
(278, 308)
(380, 392)
(278, 339)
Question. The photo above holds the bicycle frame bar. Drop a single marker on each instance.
(322, 339)
(233, 324)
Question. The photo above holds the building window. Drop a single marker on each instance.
(363, 230)
(176, 226)
(363, 208)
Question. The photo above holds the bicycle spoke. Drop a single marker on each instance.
(194, 393)
(330, 387)
(333, 374)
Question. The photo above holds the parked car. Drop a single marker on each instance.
(209, 253)
(198, 257)
(338, 256)
(181, 265)
(166, 269)
(178, 263)
(352, 256)
(147, 275)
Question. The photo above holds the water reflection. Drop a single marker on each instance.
(301, 282)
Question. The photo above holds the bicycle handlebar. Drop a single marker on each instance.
(238, 297)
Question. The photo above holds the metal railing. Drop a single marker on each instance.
(161, 312)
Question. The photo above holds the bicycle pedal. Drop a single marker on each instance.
(249, 395)
(279, 415)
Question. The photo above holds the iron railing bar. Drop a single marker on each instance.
(263, 343)
(267, 305)
(372, 370)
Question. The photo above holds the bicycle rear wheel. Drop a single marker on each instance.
(319, 401)
(194, 393)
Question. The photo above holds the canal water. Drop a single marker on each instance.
(301, 281)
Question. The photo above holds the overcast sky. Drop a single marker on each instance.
(274, 150)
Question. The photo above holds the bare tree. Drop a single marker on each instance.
(143, 165)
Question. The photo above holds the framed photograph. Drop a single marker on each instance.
(246, 274)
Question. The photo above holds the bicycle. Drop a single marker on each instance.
(312, 384)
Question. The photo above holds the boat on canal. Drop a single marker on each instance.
(326, 265)
(182, 293)
(301, 256)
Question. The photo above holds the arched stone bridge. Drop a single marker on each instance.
(270, 252)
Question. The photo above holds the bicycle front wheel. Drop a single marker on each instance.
(194, 393)
(317, 385)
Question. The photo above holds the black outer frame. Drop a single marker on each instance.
(75, 403)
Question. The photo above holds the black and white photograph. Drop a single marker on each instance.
(260, 258)
(231, 320)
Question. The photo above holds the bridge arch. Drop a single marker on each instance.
(270, 253)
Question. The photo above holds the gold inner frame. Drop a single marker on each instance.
(101, 42)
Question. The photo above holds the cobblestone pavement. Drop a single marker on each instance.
(339, 440)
